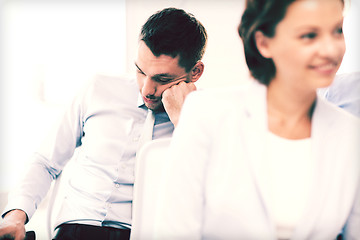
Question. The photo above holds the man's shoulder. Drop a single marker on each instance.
(109, 89)
(107, 85)
(112, 81)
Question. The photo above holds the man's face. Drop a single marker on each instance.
(156, 74)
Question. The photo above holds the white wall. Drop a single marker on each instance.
(49, 49)
(351, 61)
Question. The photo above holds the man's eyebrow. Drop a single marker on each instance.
(163, 75)
(160, 75)
(139, 68)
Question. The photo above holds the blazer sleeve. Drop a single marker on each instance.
(352, 227)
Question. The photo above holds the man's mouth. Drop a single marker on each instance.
(150, 100)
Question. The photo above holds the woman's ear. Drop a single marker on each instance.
(262, 44)
(196, 71)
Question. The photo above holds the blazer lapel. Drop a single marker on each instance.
(255, 135)
(322, 125)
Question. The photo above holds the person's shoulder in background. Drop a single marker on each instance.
(344, 92)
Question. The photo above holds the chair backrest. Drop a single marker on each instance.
(148, 172)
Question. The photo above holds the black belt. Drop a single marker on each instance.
(89, 232)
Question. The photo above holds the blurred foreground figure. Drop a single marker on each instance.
(269, 160)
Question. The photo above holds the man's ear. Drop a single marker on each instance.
(262, 44)
(196, 71)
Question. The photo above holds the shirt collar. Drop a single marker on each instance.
(141, 104)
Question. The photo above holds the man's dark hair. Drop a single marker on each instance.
(174, 32)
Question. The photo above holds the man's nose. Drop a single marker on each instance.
(149, 87)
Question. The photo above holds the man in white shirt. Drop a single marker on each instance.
(107, 120)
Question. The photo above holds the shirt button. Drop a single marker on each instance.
(135, 139)
(117, 185)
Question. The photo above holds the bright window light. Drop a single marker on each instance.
(49, 50)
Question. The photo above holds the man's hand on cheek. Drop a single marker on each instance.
(173, 99)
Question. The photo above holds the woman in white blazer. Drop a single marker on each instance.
(271, 159)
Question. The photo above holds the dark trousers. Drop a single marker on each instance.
(88, 232)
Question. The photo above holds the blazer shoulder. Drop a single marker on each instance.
(228, 96)
(336, 123)
(329, 109)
